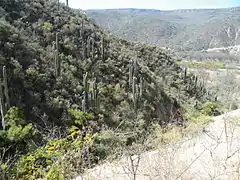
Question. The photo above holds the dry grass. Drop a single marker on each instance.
(214, 154)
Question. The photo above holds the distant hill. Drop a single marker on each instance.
(183, 30)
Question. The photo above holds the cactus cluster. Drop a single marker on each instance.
(88, 45)
(90, 98)
(4, 96)
(136, 82)
(197, 86)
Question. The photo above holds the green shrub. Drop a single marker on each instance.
(105, 142)
(40, 164)
(14, 117)
(203, 64)
(210, 109)
(18, 133)
(47, 26)
(46, 162)
(233, 106)
(78, 118)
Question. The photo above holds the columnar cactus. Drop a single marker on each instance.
(136, 96)
(130, 72)
(83, 105)
(195, 83)
(96, 100)
(85, 82)
(85, 92)
(95, 94)
(2, 108)
(58, 4)
(133, 86)
(136, 82)
(82, 40)
(102, 48)
(6, 87)
(82, 25)
(4, 105)
(90, 96)
(185, 73)
(141, 86)
(56, 58)
(88, 46)
(93, 48)
(135, 68)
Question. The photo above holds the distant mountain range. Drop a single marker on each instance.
(182, 30)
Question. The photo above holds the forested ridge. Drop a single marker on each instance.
(181, 30)
(65, 83)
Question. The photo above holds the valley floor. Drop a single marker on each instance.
(213, 154)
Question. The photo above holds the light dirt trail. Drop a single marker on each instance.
(214, 154)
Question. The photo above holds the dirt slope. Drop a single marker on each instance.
(214, 154)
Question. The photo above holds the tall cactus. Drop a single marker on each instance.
(83, 105)
(93, 48)
(102, 48)
(135, 68)
(185, 74)
(96, 100)
(141, 86)
(133, 86)
(5, 84)
(4, 106)
(56, 58)
(90, 97)
(85, 82)
(195, 83)
(58, 4)
(136, 82)
(136, 93)
(82, 40)
(95, 94)
(136, 96)
(130, 72)
(88, 46)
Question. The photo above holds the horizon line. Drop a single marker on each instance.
(200, 8)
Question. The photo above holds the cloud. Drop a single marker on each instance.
(151, 4)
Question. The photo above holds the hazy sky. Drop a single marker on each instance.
(152, 4)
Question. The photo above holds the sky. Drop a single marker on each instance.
(152, 4)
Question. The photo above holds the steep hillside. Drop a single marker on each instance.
(64, 81)
(211, 154)
(180, 29)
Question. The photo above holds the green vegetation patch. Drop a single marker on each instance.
(204, 64)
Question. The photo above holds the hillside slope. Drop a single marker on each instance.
(180, 29)
(213, 154)
(29, 43)
(64, 81)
